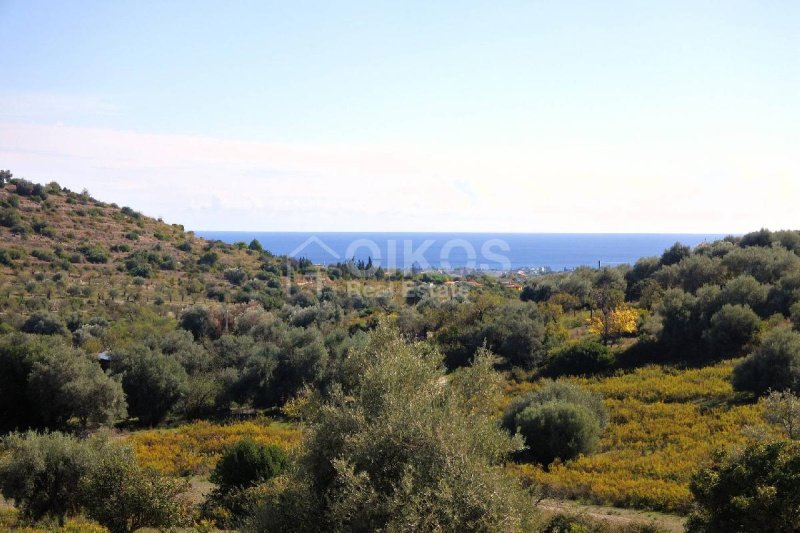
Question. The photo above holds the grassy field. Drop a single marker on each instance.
(663, 424)
(193, 449)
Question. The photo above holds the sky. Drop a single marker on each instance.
(507, 116)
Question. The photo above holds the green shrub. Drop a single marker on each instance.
(568, 523)
(44, 323)
(41, 473)
(29, 189)
(402, 448)
(235, 276)
(43, 255)
(65, 384)
(557, 430)
(248, 463)
(126, 497)
(10, 217)
(775, 364)
(198, 321)
(583, 358)
(732, 328)
(46, 384)
(153, 382)
(208, 259)
(94, 254)
(560, 420)
(755, 490)
(795, 315)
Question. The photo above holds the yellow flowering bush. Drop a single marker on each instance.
(193, 449)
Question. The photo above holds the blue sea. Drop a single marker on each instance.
(486, 251)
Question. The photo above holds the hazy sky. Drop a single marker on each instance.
(671, 116)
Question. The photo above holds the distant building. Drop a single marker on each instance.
(104, 358)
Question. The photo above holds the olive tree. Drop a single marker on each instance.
(41, 473)
(47, 384)
(558, 421)
(775, 364)
(757, 489)
(153, 382)
(783, 408)
(732, 328)
(401, 446)
(67, 384)
(125, 497)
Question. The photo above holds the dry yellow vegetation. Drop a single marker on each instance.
(193, 449)
(664, 423)
(10, 521)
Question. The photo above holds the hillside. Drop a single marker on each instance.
(651, 369)
(66, 251)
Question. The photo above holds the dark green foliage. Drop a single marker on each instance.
(141, 263)
(208, 259)
(401, 448)
(537, 290)
(94, 254)
(775, 364)
(557, 430)
(517, 334)
(745, 290)
(732, 328)
(41, 227)
(130, 212)
(125, 497)
(762, 237)
(515, 331)
(636, 277)
(17, 355)
(695, 271)
(42, 473)
(766, 265)
(795, 315)
(236, 276)
(755, 490)
(247, 463)
(64, 384)
(10, 217)
(44, 255)
(29, 189)
(289, 359)
(198, 321)
(675, 254)
(153, 382)
(44, 323)
(560, 420)
(256, 246)
(681, 328)
(192, 356)
(582, 358)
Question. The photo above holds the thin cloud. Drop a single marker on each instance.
(547, 184)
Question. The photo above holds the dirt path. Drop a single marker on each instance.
(615, 515)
